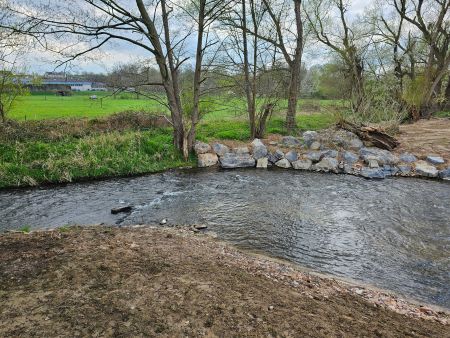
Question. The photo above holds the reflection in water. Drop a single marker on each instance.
(393, 233)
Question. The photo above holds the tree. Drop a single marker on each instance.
(150, 26)
(432, 19)
(329, 22)
(10, 88)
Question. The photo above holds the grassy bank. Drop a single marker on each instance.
(103, 155)
(67, 150)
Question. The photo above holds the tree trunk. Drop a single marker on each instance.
(247, 85)
(261, 129)
(295, 66)
(197, 77)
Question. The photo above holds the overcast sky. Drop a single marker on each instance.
(119, 52)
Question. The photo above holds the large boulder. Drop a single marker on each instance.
(220, 149)
(241, 150)
(407, 158)
(350, 157)
(276, 156)
(259, 149)
(445, 174)
(262, 163)
(327, 164)
(201, 147)
(309, 137)
(290, 141)
(372, 173)
(426, 170)
(435, 159)
(380, 155)
(302, 164)
(283, 163)
(234, 160)
(291, 156)
(207, 160)
(314, 156)
(346, 140)
(330, 153)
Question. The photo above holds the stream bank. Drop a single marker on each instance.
(139, 281)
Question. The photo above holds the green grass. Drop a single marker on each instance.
(72, 158)
(38, 107)
(41, 106)
(114, 154)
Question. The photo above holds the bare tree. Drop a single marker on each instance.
(432, 19)
(329, 23)
(149, 26)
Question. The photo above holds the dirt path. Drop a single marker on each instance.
(144, 282)
(426, 137)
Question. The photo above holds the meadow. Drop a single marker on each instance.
(47, 145)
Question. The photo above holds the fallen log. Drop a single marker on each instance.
(375, 136)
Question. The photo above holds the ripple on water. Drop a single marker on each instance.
(393, 233)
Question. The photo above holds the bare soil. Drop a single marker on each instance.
(426, 137)
(144, 282)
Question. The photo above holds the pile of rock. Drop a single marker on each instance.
(342, 152)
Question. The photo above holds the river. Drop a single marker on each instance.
(394, 233)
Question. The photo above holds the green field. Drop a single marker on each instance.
(38, 107)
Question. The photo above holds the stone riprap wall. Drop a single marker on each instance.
(335, 152)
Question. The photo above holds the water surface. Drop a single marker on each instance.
(393, 233)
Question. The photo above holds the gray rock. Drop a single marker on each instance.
(283, 163)
(404, 169)
(330, 153)
(309, 137)
(314, 156)
(273, 143)
(302, 164)
(276, 156)
(426, 170)
(372, 163)
(234, 160)
(201, 147)
(382, 156)
(315, 145)
(207, 160)
(259, 149)
(220, 149)
(290, 141)
(262, 163)
(327, 164)
(291, 156)
(348, 169)
(407, 158)
(372, 172)
(241, 150)
(355, 144)
(445, 174)
(390, 170)
(350, 157)
(435, 159)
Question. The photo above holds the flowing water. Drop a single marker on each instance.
(394, 233)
